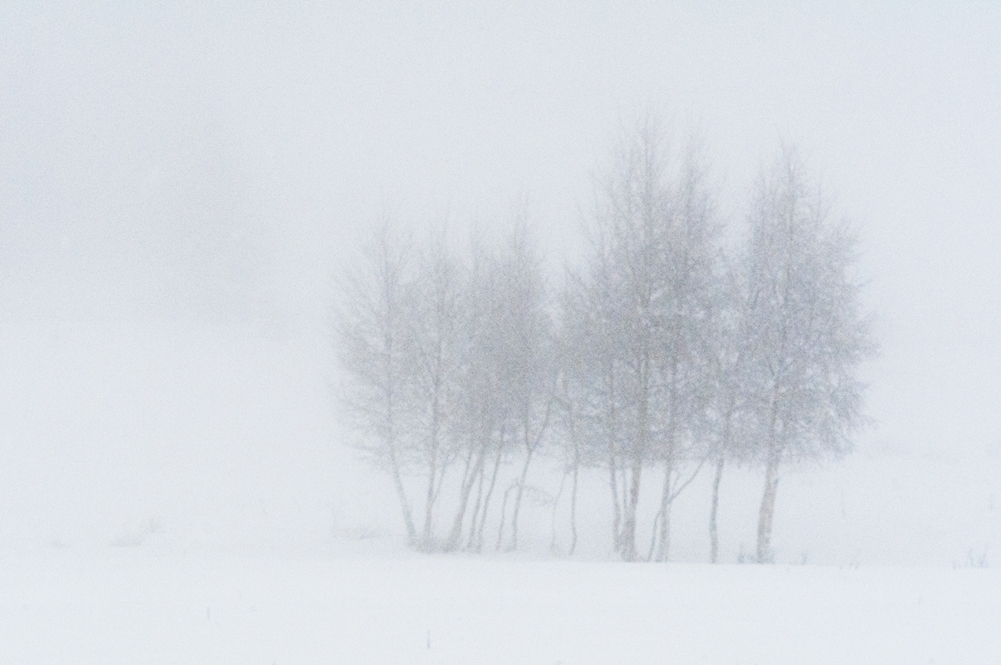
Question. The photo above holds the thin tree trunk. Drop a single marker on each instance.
(661, 531)
(713, 537)
(617, 539)
(664, 543)
(428, 507)
(767, 511)
(629, 527)
(638, 454)
(531, 445)
(613, 482)
(573, 510)
(624, 493)
(576, 468)
(713, 530)
(553, 548)
(460, 513)
(664, 540)
(394, 462)
(408, 518)
(500, 529)
(468, 480)
(517, 500)
(432, 470)
(476, 507)
(653, 535)
(490, 492)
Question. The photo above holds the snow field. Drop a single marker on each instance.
(181, 497)
(137, 608)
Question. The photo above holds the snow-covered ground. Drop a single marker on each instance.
(183, 495)
(129, 607)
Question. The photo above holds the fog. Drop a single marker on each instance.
(180, 185)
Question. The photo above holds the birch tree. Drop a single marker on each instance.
(684, 310)
(373, 343)
(589, 369)
(400, 338)
(508, 380)
(633, 217)
(439, 354)
(728, 410)
(648, 287)
(480, 407)
(528, 354)
(805, 331)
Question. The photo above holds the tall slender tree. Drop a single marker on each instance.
(529, 353)
(804, 328)
(727, 411)
(372, 329)
(684, 308)
(439, 355)
(628, 268)
(648, 289)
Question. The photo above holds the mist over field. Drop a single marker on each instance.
(187, 189)
(181, 186)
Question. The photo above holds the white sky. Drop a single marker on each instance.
(217, 162)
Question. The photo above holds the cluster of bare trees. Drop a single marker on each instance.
(659, 356)
(450, 366)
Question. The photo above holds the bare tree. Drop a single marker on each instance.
(439, 356)
(570, 400)
(684, 307)
(636, 195)
(401, 341)
(528, 353)
(804, 329)
(483, 412)
(588, 369)
(728, 410)
(372, 340)
(642, 312)
(507, 381)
